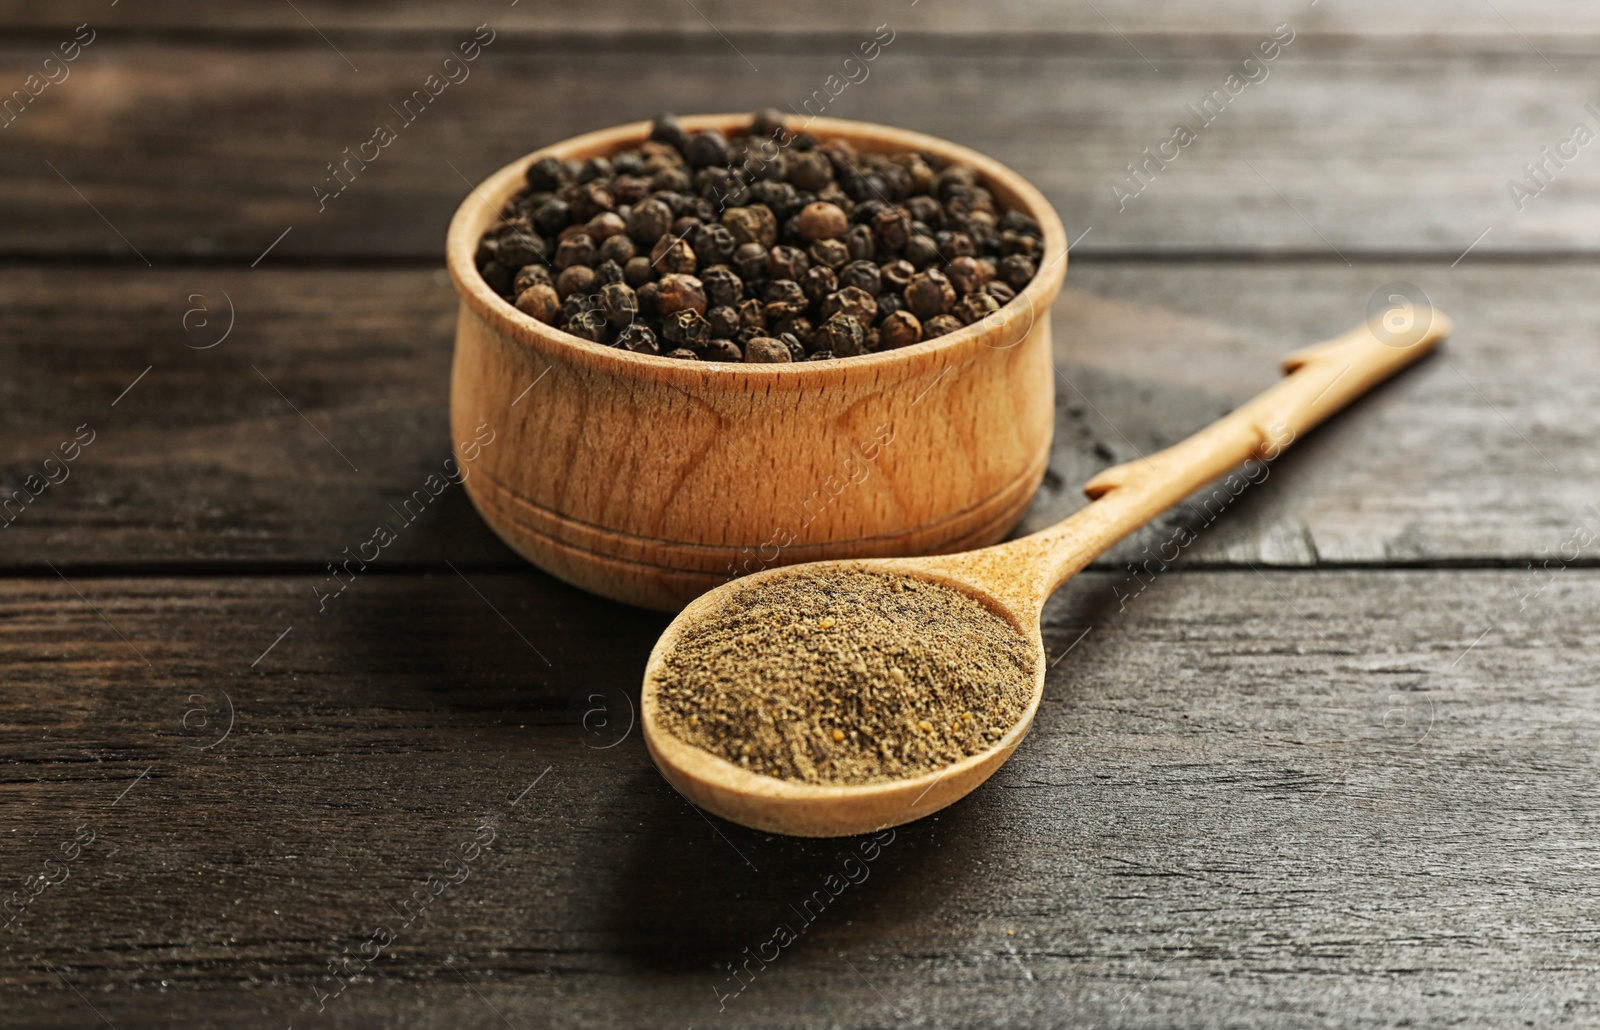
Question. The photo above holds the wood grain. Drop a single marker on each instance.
(205, 152)
(1286, 797)
(1301, 796)
(618, 475)
(203, 462)
(1548, 21)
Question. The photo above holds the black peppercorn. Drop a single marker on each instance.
(722, 350)
(766, 350)
(966, 274)
(784, 297)
(724, 320)
(619, 304)
(546, 174)
(897, 275)
(712, 243)
(667, 129)
(1018, 243)
(863, 275)
(706, 148)
(607, 272)
(686, 328)
(1015, 271)
(577, 249)
(587, 326)
(975, 307)
(926, 210)
(618, 248)
(852, 301)
(921, 251)
(531, 275)
(552, 216)
(723, 285)
(671, 255)
(859, 243)
(999, 291)
(900, 329)
(784, 262)
(831, 253)
(575, 279)
(892, 227)
(798, 326)
(603, 226)
(821, 221)
(629, 190)
(648, 294)
(520, 247)
(752, 314)
(573, 306)
(684, 354)
(818, 283)
(588, 199)
(671, 180)
(640, 339)
(810, 170)
(929, 293)
(681, 293)
(753, 224)
(766, 123)
(648, 221)
(777, 197)
(540, 301)
(637, 271)
(750, 261)
(842, 335)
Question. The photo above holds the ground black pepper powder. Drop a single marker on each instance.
(769, 235)
(842, 679)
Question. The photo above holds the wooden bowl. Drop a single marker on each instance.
(651, 480)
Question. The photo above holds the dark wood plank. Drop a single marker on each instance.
(209, 151)
(1482, 451)
(204, 462)
(326, 402)
(1348, 799)
(1544, 19)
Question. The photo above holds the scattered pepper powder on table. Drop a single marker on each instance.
(845, 679)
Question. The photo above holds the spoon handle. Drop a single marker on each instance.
(1319, 380)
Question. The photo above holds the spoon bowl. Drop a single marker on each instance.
(1014, 580)
(825, 810)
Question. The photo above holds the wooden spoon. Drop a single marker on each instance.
(1015, 579)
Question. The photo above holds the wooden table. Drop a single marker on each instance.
(1336, 768)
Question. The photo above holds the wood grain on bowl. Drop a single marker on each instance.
(651, 480)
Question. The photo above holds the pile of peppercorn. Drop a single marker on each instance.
(772, 246)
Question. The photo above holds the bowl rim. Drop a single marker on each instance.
(483, 204)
